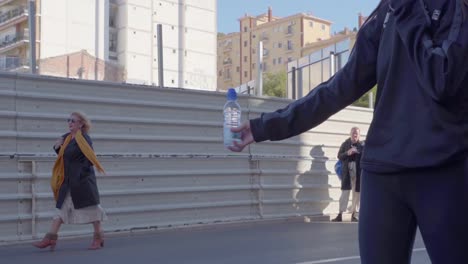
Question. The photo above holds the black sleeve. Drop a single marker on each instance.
(342, 155)
(346, 86)
(58, 149)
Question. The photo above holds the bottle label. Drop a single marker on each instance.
(230, 137)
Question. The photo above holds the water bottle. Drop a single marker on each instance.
(232, 117)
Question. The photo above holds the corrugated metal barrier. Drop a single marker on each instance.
(163, 153)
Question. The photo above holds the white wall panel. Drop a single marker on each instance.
(163, 154)
(204, 4)
(166, 12)
(201, 19)
(200, 41)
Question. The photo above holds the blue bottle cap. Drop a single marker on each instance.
(231, 94)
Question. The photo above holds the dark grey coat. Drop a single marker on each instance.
(346, 181)
(80, 179)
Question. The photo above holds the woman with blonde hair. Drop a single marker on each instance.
(74, 183)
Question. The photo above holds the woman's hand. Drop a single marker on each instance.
(58, 143)
(246, 137)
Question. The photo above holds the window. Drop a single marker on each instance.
(311, 24)
(254, 65)
(245, 74)
(237, 69)
(253, 51)
(323, 27)
(253, 36)
(245, 43)
(280, 45)
(113, 42)
(227, 74)
(264, 67)
(274, 61)
(220, 73)
(290, 45)
(280, 60)
(245, 58)
(290, 30)
(245, 29)
(289, 59)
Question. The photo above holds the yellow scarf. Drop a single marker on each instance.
(59, 169)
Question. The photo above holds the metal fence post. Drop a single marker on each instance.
(160, 57)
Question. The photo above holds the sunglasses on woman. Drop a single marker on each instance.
(71, 120)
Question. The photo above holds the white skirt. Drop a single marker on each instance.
(70, 215)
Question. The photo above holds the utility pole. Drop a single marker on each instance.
(32, 35)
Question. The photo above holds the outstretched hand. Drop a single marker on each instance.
(246, 137)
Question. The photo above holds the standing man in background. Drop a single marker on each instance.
(350, 156)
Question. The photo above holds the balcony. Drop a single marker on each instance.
(227, 45)
(4, 2)
(12, 63)
(13, 17)
(227, 61)
(11, 42)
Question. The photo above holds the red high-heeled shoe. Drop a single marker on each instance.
(49, 240)
(98, 241)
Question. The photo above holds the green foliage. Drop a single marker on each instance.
(274, 84)
(364, 100)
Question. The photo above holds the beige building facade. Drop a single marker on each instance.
(283, 40)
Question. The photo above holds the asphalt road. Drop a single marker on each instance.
(271, 242)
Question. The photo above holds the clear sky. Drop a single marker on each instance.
(343, 13)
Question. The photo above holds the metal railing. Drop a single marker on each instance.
(227, 61)
(9, 15)
(9, 40)
(10, 63)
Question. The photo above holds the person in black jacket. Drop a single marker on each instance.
(350, 154)
(415, 167)
(74, 183)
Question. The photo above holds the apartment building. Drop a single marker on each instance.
(121, 37)
(14, 35)
(282, 38)
(320, 60)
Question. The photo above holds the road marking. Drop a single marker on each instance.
(344, 258)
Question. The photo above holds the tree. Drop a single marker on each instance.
(274, 84)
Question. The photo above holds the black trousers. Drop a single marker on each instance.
(393, 205)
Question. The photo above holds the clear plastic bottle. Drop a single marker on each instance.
(232, 118)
